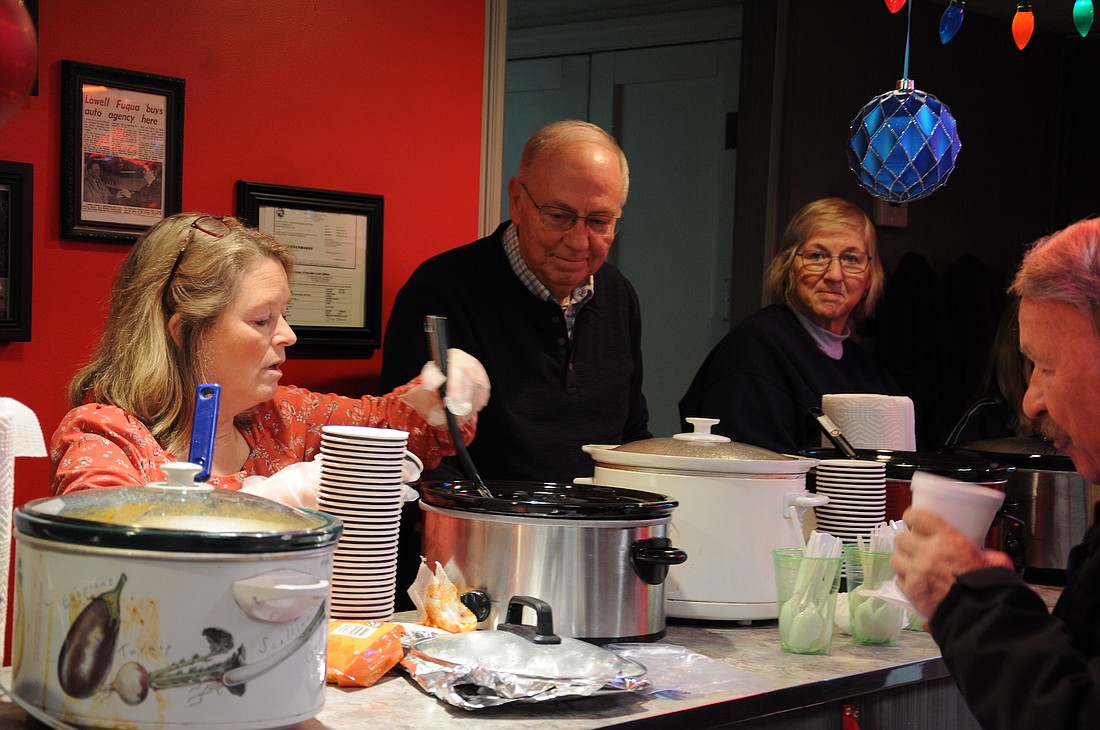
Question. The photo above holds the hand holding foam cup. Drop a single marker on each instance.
(969, 508)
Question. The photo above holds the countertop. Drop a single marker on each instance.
(756, 679)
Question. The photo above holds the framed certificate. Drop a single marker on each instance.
(336, 239)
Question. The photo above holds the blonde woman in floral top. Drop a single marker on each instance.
(203, 299)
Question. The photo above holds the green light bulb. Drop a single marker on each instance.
(1082, 16)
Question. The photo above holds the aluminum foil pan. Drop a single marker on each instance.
(517, 662)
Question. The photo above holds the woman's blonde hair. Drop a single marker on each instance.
(827, 215)
(190, 265)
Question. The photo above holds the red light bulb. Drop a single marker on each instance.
(1023, 24)
(895, 5)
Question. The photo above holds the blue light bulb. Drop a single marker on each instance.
(952, 20)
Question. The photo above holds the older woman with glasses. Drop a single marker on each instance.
(201, 299)
(761, 380)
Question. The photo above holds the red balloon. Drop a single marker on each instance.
(18, 58)
(895, 5)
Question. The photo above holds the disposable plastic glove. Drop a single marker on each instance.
(294, 486)
(467, 389)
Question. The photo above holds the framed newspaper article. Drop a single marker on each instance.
(336, 239)
(121, 151)
(16, 212)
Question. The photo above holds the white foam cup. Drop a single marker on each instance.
(969, 508)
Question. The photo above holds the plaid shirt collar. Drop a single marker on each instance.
(579, 296)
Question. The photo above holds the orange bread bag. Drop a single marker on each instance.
(360, 652)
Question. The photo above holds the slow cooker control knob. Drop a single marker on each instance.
(478, 602)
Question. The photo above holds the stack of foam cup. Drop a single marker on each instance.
(857, 497)
(361, 484)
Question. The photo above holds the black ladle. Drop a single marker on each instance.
(436, 328)
(832, 432)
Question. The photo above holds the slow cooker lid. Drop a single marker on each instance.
(699, 450)
(547, 500)
(193, 518)
(901, 464)
(1022, 451)
(505, 653)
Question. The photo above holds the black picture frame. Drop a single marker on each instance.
(121, 151)
(16, 224)
(336, 238)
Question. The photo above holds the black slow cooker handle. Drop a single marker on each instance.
(543, 632)
(651, 557)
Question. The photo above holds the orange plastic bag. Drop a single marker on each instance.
(360, 652)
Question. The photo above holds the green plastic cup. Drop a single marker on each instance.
(874, 622)
(806, 590)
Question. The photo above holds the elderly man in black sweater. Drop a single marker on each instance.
(557, 329)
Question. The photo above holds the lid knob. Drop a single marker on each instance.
(702, 432)
(181, 474)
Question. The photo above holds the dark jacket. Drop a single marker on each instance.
(1017, 665)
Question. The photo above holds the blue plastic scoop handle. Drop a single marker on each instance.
(203, 427)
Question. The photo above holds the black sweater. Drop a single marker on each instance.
(762, 378)
(549, 395)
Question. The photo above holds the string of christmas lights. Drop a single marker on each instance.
(1023, 22)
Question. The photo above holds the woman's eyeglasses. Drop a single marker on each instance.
(208, 224)
(560, 219)
(851, 262)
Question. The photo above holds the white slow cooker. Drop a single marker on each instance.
(171, 607)
(735, 506)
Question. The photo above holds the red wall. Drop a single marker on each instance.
(355, 95)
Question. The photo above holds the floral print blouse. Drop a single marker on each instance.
(98, 445)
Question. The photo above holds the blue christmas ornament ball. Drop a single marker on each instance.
(903, 144)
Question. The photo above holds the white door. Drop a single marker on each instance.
(670, 107)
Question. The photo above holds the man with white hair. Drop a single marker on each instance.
(1018, 665)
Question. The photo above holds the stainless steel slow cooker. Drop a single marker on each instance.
(1055, 502)
(736, 503)
(598, 556)
(171, 607)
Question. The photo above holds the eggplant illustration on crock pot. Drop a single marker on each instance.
(85, 657)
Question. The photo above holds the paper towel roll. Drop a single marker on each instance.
(20, 435)
(872, 421)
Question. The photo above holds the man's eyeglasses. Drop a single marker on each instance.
(851, 262)
(560, 219)
(208, 224)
